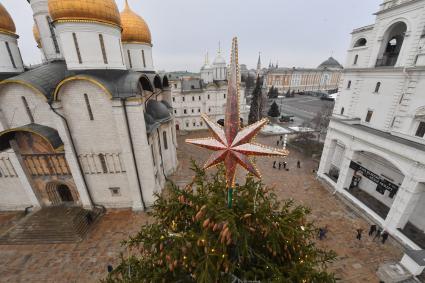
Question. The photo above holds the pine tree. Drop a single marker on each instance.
(274, 110)
(256, 109)
(197, 238)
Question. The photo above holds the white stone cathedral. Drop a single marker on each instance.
(93, 124)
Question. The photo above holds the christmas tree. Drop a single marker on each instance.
(196, 237)
(255, 110)
(274, 110)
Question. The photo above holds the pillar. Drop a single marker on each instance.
(405, 203)
(327, 155)
(345, 172)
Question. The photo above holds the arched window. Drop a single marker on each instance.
(103, 162)
(349, 85)
(377, 87)
(164, 139)
(391, 45)
(356, 58)
(360, 42)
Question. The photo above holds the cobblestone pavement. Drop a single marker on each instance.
(86, 261)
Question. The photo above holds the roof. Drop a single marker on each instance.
(417, 255)
(49, 134)
(191, 84)
(120, 83)
(330, 63)
(157, 112)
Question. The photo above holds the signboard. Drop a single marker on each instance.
(383, 185)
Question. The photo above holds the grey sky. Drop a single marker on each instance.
(300, 33)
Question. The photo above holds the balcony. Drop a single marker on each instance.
(387, 60)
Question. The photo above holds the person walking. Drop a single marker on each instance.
(274, 164)
(359, 234)
(384, 236)
(378, 234)
(277, 144)
(284, 164)
(280, 165)
(372, 229)
(298, 164)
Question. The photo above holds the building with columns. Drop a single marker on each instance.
(374, 153)
(92, 125)
(192, 96)
(324, 78)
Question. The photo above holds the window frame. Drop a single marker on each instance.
(103, 48)
(420, 129)
(369, 115)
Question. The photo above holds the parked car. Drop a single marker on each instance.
(286, 118)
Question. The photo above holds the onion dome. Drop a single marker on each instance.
(103, 11)
(7, 25)
(36, 34)
(135, 29)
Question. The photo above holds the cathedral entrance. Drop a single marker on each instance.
(60, 193)
(65, 194)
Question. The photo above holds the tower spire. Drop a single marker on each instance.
(126, 5)
(219, 47)
(259, 63)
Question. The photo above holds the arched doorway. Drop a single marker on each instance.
(391, 45)
(64, 193)
(61, 193)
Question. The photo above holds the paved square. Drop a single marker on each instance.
(86, 261)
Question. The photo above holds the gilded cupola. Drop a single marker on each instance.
(135, 29)
(103, 11)
(7, 25)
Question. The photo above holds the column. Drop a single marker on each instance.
(404, 204)
(327, 155)
(345, 172)
(71, 159)
(23, 178)
(127, 153)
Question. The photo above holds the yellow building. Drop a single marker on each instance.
(323, 78)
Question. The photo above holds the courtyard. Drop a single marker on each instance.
(87, 261)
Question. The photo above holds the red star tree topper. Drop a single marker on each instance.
(231, 144)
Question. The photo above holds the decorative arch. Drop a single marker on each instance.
(146, 83)
(80, 78)
(360, 42)
(25, 84)
(165, 82)
(157, 82)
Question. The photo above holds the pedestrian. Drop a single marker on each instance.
(384, 236)
(281, 137)
(372, 229)
(321, 233)
(277, 144)
(298, 164)
(280, 165)
(110, 268)
(284, 164)
(359, 234)
(378, 234)
(274, 164)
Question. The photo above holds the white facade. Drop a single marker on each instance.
(51, 46)
(90, 45)
(189, 104)
(10, 56)
(374, 153)
(138, 57)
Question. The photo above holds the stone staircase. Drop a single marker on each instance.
(50, 225)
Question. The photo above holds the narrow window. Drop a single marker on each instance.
(174, 99)
(164, 137)
(208, 96)
(52, 32)
(209, 109)
(224, 95)
(378, 85)
(129, 59)
(122, 56)
(143, 58)
(183, 98)
(77, 48)
(175, 85)
(187, 124)
(193, 111)
(392, 123)
(153, 156)
(420, 132)
(175, 111)
(356, 58)
(201, 123)
(27, 108)
(102, 46)
(86, 99)
(193, 98)
(194, 124)
(199, 110)
(103, 162)
(349, 85)
(199, 97)
(10, 54)
(369, 116)
(342, 111)
(185, 111)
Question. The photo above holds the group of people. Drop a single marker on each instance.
(284, 164)
(377, 233)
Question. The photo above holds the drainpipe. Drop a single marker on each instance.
(160, 154)
(123, 102)
(80, 167)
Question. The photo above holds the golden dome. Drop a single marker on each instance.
(135, 29)
(6, 23)
(36, 34)
(104, 11)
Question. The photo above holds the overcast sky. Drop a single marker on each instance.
(300, 33)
